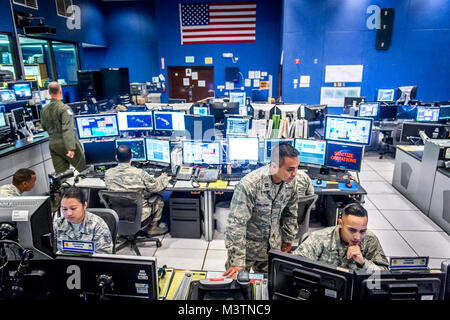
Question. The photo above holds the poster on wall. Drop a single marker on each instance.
(343, 73)
(334, 96)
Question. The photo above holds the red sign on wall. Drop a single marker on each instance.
(297, 61)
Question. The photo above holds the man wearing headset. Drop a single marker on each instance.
(348, 245)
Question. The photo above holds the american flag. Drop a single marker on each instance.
(221, 22)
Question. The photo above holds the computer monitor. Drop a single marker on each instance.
(315, 112)
(386, 95)
(18, 116)
(406, 112)
(311, 151)
(344, 156)
(199, 127)
(22, 91)
(79, 107)
(99, 152)
(398, 285)
(96, 126)
(243, 149)
(410, 131)
(137, 147)
(3, 123)
(348, 129)
(270, 144)
(220, 109)
(240, 98)
(237, 127)
(348, 101)
(293, 277)
(7, 96)
(197, 152)
(158, 151)
(169, 121)
(30, 220)
(427, 114)
(444, 114)
(406, 94)
(200, 110)
(388, 112)
(135, 121)
(369, 109)
(132, 277)
(102, 105)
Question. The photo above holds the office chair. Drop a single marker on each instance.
(112, 221)
(128, 205)
(305, 205)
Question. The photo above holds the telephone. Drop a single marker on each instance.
(184, 173)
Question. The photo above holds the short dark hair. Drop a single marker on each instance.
(54, 88)
(281, 151)
(74, 193)
(22, 175)
(123, 153)
(355, 209)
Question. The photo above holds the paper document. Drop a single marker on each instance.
(164, 282)
(194, 75)
(219, 184)
(185, 81)
(91, 183)
(201, 83)
(248, 83)
(178, 277)
(183, 184)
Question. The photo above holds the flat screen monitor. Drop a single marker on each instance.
(135, 121)
(444, 114)
(220, 109)
(3, 123)
(243, 149)
(169, 121)
(96, 126)
(343, 156)
(99, 152)
(7, 96)
(348, 101)
(240, 98)
(311, 151)
(348, 129)
(368, 109)
(270, 144)
(396, 285)
(292, 277)
(79, 107)
(134, 278)
(386, 95)
(237, 127)
(115, 82)
(197, 152)
(200, 110)
(18, 116)
(388, 112)
(158, 151)
(315, 113)
(137, 147)
(22, 91)
(199, 127)
(406, 112)
(31, 218)
(410, 131)
(427, 114)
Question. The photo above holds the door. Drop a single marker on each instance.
(191, 83)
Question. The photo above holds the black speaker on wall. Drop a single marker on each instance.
(384, 34)
(231, 74)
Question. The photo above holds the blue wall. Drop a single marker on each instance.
(335, 33)
(262, 55)
(131, 40)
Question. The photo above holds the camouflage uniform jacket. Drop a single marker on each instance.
(9, 190)
(125, 177)
(93, 228)
(304, 185)
(325, 245)
(261, 217)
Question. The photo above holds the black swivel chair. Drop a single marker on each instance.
(112, 220)
(305, 205)
(128, 205)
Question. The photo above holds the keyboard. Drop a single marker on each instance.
(232, 176)
(326, 177)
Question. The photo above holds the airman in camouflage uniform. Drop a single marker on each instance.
(93, 229)
(263, 213)
(57, 120)
(125, 177)
(346, 245)
(304, 185)
(23, 180)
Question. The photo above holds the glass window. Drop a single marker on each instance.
(66, 62)
(6, 58)
(36, 60)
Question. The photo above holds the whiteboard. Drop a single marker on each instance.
(344, 73)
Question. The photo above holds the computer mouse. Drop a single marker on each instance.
(349, 185)
(319, 181)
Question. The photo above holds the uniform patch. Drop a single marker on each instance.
(70, 112)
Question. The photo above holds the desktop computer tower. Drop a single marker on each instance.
(90, 84)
